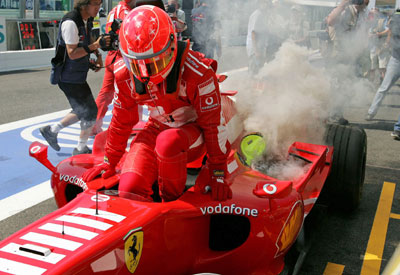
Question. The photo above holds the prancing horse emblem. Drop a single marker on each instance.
(133, 250)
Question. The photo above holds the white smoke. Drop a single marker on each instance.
(287, 103)
(291, 98)
(282, 169)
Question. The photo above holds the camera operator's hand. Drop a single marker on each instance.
(103, 41)
(92, 64)
(174, 16)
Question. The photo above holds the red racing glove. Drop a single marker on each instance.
(105, 169)
(215, 180)
(220, 190)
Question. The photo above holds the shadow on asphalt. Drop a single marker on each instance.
(23, 71)
(377, 124)
(64, 154)
(392, 106)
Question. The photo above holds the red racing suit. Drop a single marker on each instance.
(184, 115)
(106, 93)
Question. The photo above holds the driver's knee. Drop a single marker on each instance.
(171, 142)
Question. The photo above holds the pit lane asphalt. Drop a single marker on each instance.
(340, 240)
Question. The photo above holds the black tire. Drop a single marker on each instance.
(343, 187)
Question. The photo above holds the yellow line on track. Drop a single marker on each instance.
(376, 243)
(395, 216)
(333, 269)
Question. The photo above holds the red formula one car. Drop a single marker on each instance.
(98, 230)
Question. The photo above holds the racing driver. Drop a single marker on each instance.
(180, 88)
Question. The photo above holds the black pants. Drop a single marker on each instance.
(82, 102)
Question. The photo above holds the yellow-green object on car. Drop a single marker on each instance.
(252, 146)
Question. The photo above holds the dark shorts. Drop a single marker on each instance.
(82, 102)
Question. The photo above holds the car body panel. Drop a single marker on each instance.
(111, 232)
(175, 234)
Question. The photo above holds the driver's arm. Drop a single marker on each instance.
(208, 107)
(125, 116)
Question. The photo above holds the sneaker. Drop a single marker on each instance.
(342, 121)
(50, 137)
(396, 135)
(85, 150)
(369, 117)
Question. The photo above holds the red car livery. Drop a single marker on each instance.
(100, 230)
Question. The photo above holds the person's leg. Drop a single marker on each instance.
(84, 107)
(254, 65)
(391, 76)
(86, 111)
(374, 65)
(383, 62)
(139, 170)
(69, 119)
(50, 132)
(174, 148)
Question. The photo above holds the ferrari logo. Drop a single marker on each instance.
(133, 250)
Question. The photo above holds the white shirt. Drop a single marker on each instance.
(180, 14)
(259, 24)
(70, 33)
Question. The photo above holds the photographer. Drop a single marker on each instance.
(76, 44)
(343, 22)
(178, 17)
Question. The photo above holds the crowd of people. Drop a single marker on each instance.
(176, 80)
(346, 25)
(392, 72)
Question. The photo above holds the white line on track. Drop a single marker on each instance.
(41, 192)
(25, 199)
(34, 195)
(33, 120)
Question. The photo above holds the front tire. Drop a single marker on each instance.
(343, 187)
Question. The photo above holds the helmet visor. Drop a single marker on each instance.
(144, 68)
(151, 65)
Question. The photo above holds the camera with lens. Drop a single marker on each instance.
(170, 9)
(113, 46)
(92, 64)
